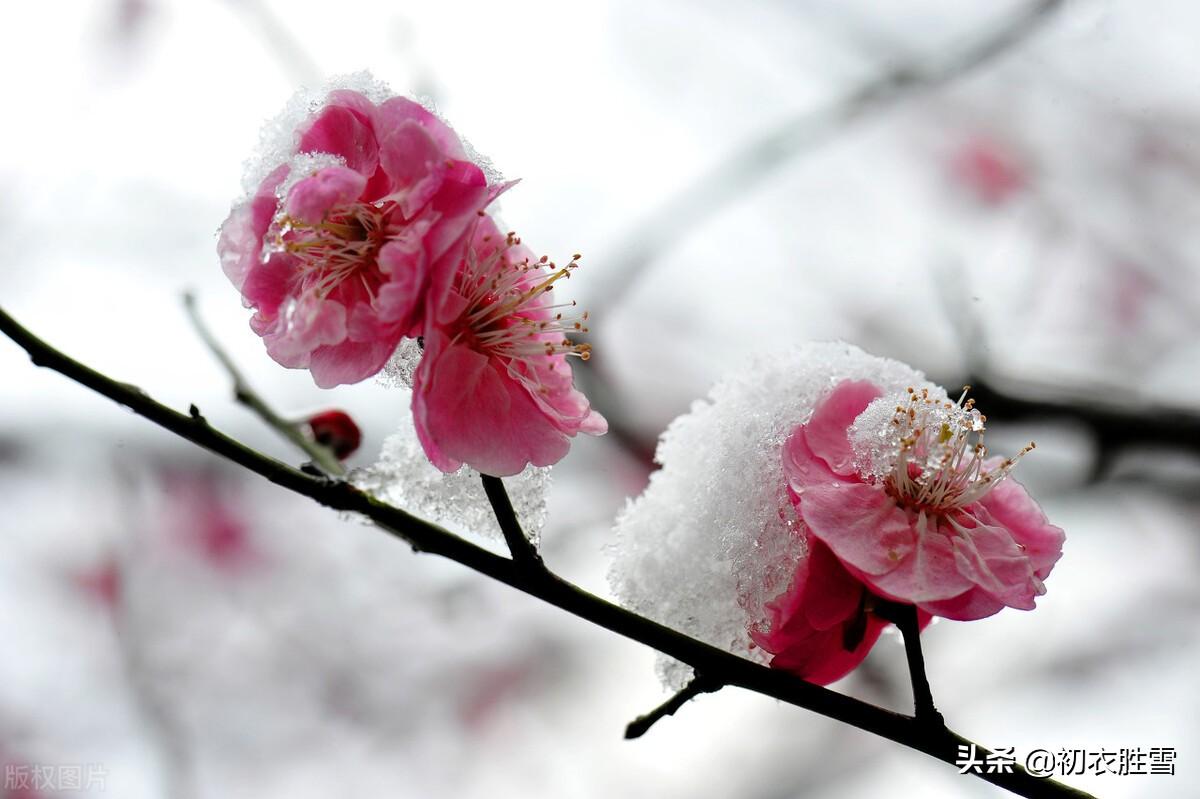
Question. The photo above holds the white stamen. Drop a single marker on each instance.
(927, 451)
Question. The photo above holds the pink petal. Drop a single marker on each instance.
(310, 324)
(349, 361)
(269, 284)
(974, 604)
(801, 467)
(240, 244)
(339, 130)
(1011, 507)
(861, 524)
(463, 193)
(826, 430)
(469, 411)
(312, 198)
(929, 573)
(555, 394)
(831, 595)
(989, 557)
(400, 301)
(414, 163)
(397, 111)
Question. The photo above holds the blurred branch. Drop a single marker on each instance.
(716, 664)
(642, 724)
(742, 169)
(757, 160)
(521, 548)
(321, 455)
(1116, 427)
(286, 47)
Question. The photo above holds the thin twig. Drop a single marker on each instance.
(642, 724)
(290, 51)
(321, 455)
(521, 548)
(423, 536)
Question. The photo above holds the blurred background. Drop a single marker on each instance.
(998, 193)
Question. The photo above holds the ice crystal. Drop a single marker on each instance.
(404, 477)
(399, 371)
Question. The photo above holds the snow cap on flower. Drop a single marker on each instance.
(812, 486)
(493, 389)
(715, 539)
(356, 219)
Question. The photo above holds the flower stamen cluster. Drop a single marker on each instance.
(342, 246)
(940, 461)
(506, 314)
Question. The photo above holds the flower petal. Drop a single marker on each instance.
(826, 430)
(414, 163)
(832, 595)
(929, 573)
(969, 606)
(468, 410)
(801, 467)
(349, 361)
(990, 558)
(312, 197)
(344, 131)
(241, 241)
(302, 328)
(1011, 507)
(861, 524)
(397, 111)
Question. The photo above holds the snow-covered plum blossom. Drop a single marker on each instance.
(899, 486)
(494, 386)
(351, 238)
(721, 544)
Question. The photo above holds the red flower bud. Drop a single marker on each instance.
(337, 431)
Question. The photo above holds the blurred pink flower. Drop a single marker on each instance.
(494, 388)
(205, 521)
(989, 170)
(343, 253)
(912, 506)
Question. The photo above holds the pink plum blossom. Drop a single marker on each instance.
(906, 499)
(494, 387)
(349, 246)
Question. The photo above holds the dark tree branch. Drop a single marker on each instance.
(1115, 426)
(521, 548)
(642, 724)
(716, 664)
(322, 457)
(905, 619)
